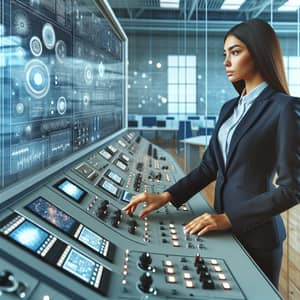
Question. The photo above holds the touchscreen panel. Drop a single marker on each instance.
(71, 189)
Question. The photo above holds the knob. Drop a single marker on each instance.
(146, 283)
(131, 229)
(115, 222)
(208, 284)
(8, 283)
(145, 261)
(204, 276)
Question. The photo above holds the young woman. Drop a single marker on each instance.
(257, 136)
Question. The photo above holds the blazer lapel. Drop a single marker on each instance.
(254, 112)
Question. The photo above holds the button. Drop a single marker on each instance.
(174, 237)
(226, 286)
(176, 244)
(214, 262)
(187, 275)
(173, 231)
(170, 270)
(171, 279)
(218, 269)
(168, 263)
(189, 284)
(221, 276)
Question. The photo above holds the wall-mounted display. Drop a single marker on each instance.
(62, 79)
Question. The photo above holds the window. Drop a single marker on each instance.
(292, 65)
(182, 84)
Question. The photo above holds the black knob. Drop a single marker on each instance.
(146, 283)
(145, 261)
(204, 276)
(115, 222)
(131, 229)
(202, 268)
(208, 284)
(8, 282)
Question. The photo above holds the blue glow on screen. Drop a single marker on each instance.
(71, 190)
(29, 235)
(91, 239)
(52, 214)
(79, 265)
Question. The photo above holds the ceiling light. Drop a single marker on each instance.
(232, 4)
(290, 5)
(169, 4)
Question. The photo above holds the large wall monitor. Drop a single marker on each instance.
(62, 83)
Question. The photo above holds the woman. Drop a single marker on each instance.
(256, 136)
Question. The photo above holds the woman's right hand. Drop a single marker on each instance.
(152, 202)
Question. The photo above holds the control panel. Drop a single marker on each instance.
(68, 237)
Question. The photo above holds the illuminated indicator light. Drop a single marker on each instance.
(187, 275)
(226, 286)
(168, 263)
(170, 271)
(214, 262)
(124, 281)
(218, 269)
(222, 276)
(125, 273)
(189, 284)
(174, 237)
(171, 279)
(125, 267)
(175, 243)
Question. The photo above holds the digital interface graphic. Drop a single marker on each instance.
(70, 189)
(52, 214)
(79, 265)
(62, 87)
(29, 236)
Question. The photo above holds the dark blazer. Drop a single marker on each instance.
(267, 141)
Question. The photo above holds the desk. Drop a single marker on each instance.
(192, 147)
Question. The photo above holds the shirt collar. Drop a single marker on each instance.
(249, 98)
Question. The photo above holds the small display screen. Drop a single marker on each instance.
(79, 265)
(109, 187)
(52, 214)
(121, 165)
(29, 235)
(71, 190)
(122, 143)
(112, 148)
(105, 154)
(91, 239)
(115, 177)
(127, 196)
(125, 157)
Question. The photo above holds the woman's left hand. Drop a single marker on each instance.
(208, 222)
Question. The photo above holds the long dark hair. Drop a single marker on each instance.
(263, 45)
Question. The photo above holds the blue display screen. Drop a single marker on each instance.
(127, 196)
(79, 265)
(71, 189)
(29, 236)
(91, 239)
(52, 214)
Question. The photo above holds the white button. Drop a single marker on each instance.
(170, 271)
(171, 279)
(218, 269)
(222, 276)
(214, 262)
(189, 284)
(168, 263)
(176, 244)
(187, 275)
(226, 286)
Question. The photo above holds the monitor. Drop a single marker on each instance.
(63, 86)
(149, 121)
(71, 189)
